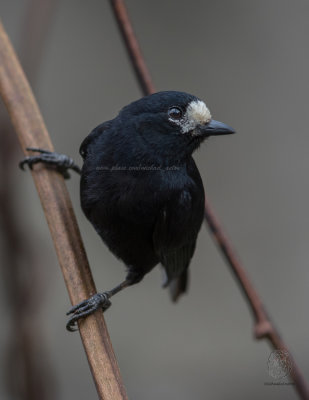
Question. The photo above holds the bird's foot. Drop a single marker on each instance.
(87, 307)
(61, 162)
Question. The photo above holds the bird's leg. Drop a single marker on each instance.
(60, 162)
(89, 306)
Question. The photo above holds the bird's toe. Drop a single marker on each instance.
(87, 307)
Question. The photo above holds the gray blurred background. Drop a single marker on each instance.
(249, 61)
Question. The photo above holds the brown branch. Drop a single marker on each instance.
(264, 328)
(140, 68)
(31, 131)
(27, 365)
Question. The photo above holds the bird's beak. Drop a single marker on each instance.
(214, 128)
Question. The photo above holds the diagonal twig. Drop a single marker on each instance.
(32, 132)
(263, 326)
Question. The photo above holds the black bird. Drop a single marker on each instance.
(141, 190)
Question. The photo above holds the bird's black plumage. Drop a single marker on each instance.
(140, 187)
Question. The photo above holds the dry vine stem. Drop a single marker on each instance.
(31, 130)
(264, 328)
(29, 374)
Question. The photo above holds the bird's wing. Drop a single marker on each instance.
(96, 132)
(175, 259)
(172, 245)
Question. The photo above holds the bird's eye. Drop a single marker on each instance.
(175, 113)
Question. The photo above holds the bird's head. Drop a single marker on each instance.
(172, 123)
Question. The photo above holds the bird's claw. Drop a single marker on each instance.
(87, 307)
(60, 161)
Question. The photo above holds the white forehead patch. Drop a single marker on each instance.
(197, 113)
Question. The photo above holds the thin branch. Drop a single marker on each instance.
(31, 131)
(140, 68)
(263, 327)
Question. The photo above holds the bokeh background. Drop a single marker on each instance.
(249, 61)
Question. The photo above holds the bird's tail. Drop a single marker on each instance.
(179, 285)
